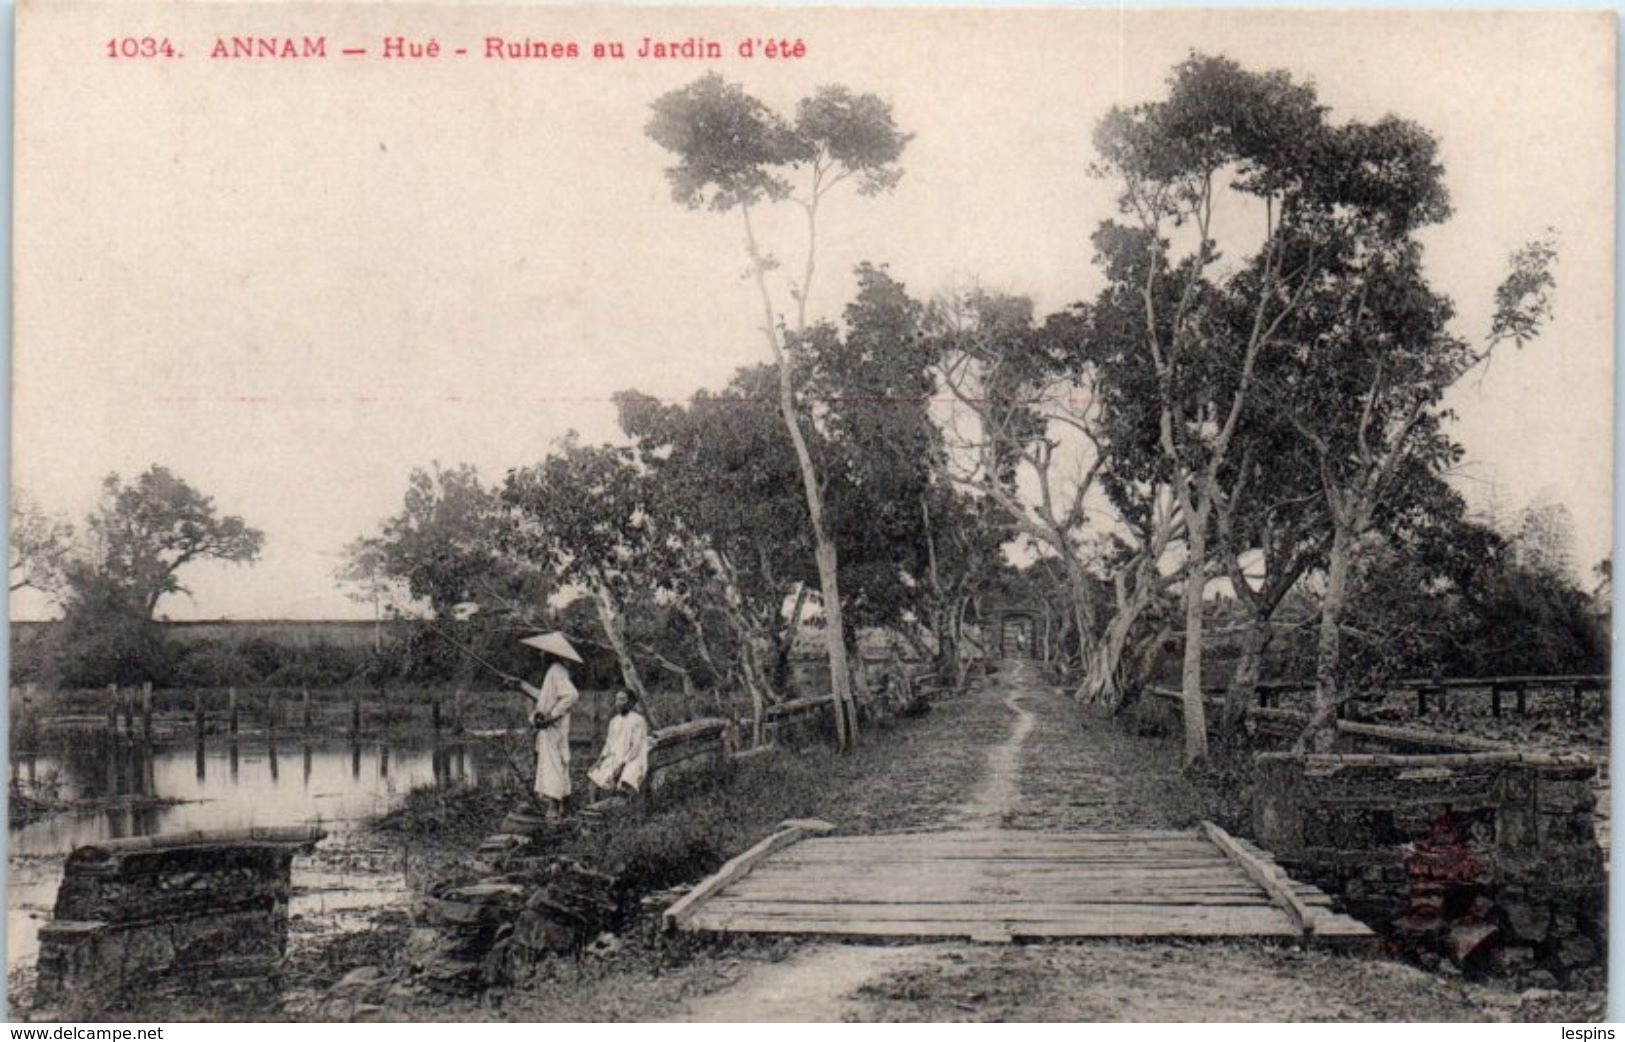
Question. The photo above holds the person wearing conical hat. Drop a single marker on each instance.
(551, 718)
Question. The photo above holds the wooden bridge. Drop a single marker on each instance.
(1002, 885)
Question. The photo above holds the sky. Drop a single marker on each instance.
(291, 282)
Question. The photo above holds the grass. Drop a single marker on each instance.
(907, 774)
(902, 775)
(1177, 981)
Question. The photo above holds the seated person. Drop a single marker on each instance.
(625, 759)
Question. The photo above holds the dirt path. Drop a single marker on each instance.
(1000, 789)
(1057, 770)
(822, 980)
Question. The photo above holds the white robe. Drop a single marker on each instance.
(554, 699)
(626, 753)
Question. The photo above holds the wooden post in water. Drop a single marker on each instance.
(457, 711)
(146, 710)
(355, 715)
(305, 696)
(197, 712)
(231, 703)
(434, 713)
(273, 716)
(112, 710)
(27, 706)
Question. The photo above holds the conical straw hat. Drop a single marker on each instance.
(553, 641)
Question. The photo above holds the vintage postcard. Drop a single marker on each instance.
(547, 513)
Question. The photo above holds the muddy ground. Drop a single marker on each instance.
(1017, 755)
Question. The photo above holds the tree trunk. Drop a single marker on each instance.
(1146, 654)
(1328, 653)
(1104, 681)
(825, 554)
(840, 676)
(750, 666)
(962, 663)
(1191, 674)
(609, 616)
(1242, 693)
(1083, 612)
(943, 627)
(782, 635)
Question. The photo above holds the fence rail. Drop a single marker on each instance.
(149, 713)
(1440, 692)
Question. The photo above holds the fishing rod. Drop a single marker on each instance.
(470, 652)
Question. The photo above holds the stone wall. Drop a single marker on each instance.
(202, 915)
(1488, 859)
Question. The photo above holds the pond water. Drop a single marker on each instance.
(334, 786)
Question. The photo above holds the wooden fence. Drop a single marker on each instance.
(146, 713)
(1433, 694)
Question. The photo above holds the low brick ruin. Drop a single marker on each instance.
(1487, 859)
(200, 915)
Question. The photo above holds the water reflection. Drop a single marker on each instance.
(332, 787)
(338, 785)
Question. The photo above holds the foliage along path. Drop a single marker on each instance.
(1061, 770)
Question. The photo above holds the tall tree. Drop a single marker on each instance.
(41, 546)
(582, 513)
(1272, 531)
(733, 152)
(910, 542)
(1022, 432)
(1321, 195)
(444, 545)
(724, 492)
(1371, 359)
(1097, 349)
(143, 533)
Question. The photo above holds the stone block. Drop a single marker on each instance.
(1511, 960)
(1527, 921)
(1576, 951)
(192, 915)
(1468, 941)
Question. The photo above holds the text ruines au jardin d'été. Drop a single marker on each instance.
(489, 48)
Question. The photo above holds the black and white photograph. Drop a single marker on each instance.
(529, 513)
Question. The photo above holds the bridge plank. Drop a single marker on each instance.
(858, 890)
(998, 885)
(1109, 921)
(1005, 912)
(1266, 875)
(738, 867)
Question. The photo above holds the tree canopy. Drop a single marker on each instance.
(144, 532)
